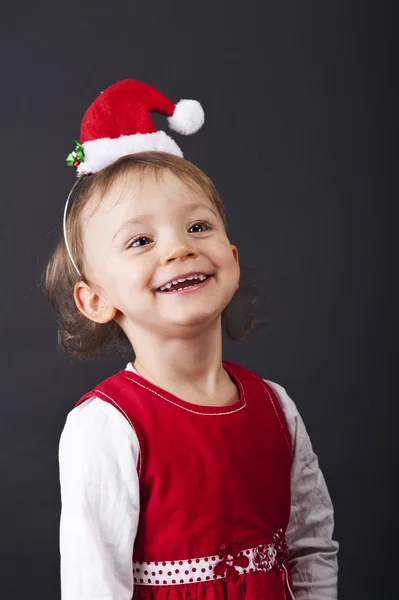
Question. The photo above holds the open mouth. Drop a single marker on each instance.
(190, 283)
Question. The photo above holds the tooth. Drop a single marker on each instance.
(191, 277)
(175, 281)
(181, 280)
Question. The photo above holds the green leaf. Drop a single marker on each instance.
(70, 160)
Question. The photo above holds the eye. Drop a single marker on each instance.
(201, 226)
(139, 241)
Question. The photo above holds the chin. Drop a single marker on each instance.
(202, 320)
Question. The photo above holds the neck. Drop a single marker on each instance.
(179, 364)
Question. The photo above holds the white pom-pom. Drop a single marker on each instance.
(188, 117)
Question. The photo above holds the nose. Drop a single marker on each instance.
(179, 251)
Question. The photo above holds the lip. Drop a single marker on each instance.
(195, 288)
(183, 276)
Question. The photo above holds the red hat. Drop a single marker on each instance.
(119, 123)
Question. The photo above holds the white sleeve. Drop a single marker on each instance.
(98, 454)
(312, 550)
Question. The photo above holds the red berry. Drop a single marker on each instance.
(76, 163)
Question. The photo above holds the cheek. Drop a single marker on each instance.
(131, 280)
(226, 257)
(227, 264)
(235, 272)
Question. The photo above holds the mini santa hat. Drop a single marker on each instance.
(118, 123)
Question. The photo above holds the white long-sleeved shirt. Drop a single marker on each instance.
(98, 454)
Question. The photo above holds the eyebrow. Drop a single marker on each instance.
(147, 217)
(132, 221)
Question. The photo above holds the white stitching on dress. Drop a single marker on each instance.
(275, 410)
(127, 417)
(288, 582)
(230, 412)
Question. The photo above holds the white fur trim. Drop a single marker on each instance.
(188, 117)
(101, 153)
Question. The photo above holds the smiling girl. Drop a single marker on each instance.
(182, 475)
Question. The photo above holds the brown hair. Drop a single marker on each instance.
(77, 335)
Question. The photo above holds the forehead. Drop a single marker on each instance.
(151, 194)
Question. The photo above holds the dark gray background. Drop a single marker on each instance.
(298, 99)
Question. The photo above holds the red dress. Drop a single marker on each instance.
(214, 491)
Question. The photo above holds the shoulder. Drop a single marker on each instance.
(287, 404)
(96, 415)
(95, 431)
(289, 408)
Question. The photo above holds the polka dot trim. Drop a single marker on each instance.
(195, 569)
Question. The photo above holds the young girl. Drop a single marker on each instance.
(182, 476)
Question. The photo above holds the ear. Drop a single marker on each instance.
(93, 304)
(235, 254)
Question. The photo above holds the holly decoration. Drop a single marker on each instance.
(76, 156)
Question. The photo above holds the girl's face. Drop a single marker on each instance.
(146, 235)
